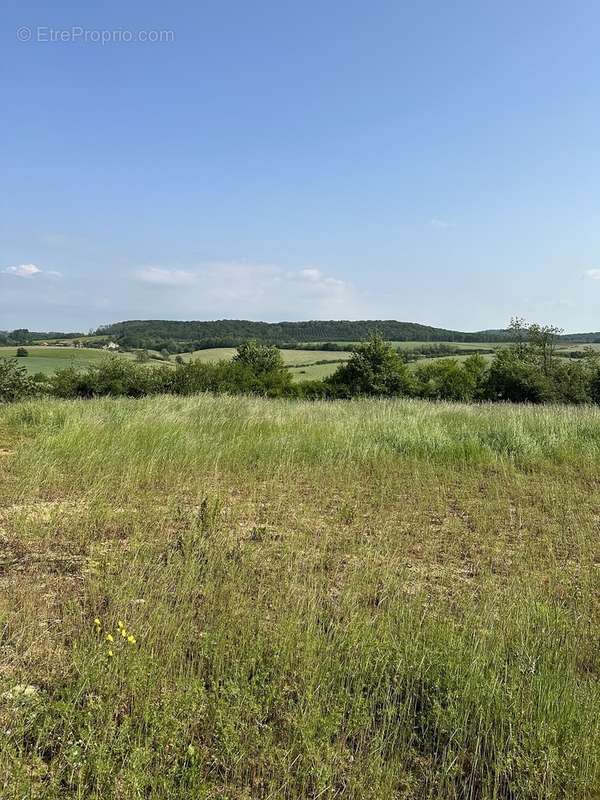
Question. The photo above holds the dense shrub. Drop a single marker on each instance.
(260, 359)
(448, 379)
(113, 376)
(517, 380)
(15, 383)
(251, 373)
(374, 369)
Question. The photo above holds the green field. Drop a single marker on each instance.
(302, 363)
(48, 359)
(374, 600)
(290, 357)
(313, 372)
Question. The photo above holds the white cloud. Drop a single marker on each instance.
(165, 277)
(436, 222)
(243, 289)
(28, 271)
(594, 274)
(22, 270)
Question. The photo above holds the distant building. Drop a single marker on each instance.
(111, 346)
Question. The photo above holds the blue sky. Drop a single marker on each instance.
(433, 162)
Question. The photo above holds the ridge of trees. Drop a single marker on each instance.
(527, 370)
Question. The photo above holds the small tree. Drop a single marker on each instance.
(22, 352)
(445, 379)
(518, 335)
(517, 380)
(15, 383)
(374, 368)
(259, 358)
(542, 343)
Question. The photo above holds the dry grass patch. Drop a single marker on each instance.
(361, 600)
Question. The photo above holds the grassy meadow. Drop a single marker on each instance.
(371, 599)
(49, 359)
(303, 364)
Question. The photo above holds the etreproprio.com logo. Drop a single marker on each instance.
(79, 34)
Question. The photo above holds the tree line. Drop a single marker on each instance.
(176, 336)
(527, 370)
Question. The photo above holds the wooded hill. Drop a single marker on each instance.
(133, 332)
(225, 332)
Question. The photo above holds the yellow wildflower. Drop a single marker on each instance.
(131, 639)
(97, 622)
(109, 637)
(110, 653)
(123, 633)
(120, 624)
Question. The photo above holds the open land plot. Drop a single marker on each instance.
(370, 599)
(48, 359)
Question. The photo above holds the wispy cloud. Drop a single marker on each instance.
(436, 222)
(594, 274)
(22, 270)
(28, 271)
(240, 287)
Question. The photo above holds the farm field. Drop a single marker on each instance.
(290, 357)
(302, 363)
(372, 599)
(48, 359)
(313, 372)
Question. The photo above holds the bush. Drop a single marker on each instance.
(231, 377)
(113, 376)
(22, 352)
(260, 359)
(518, 380)
(15, 382)
(573, 381)
(443, 380)
(374, 369)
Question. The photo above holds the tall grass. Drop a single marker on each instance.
(371, 599)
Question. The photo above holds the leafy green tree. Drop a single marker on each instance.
(22, 352)
(542, 341)
(20, 336)
(446, 379)
(517, 379)
(374, 368)
(573, 380)
(231, 377)
(477, 370)
(113, 376)
(595, 387)
(259, 358)
(15, 382)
